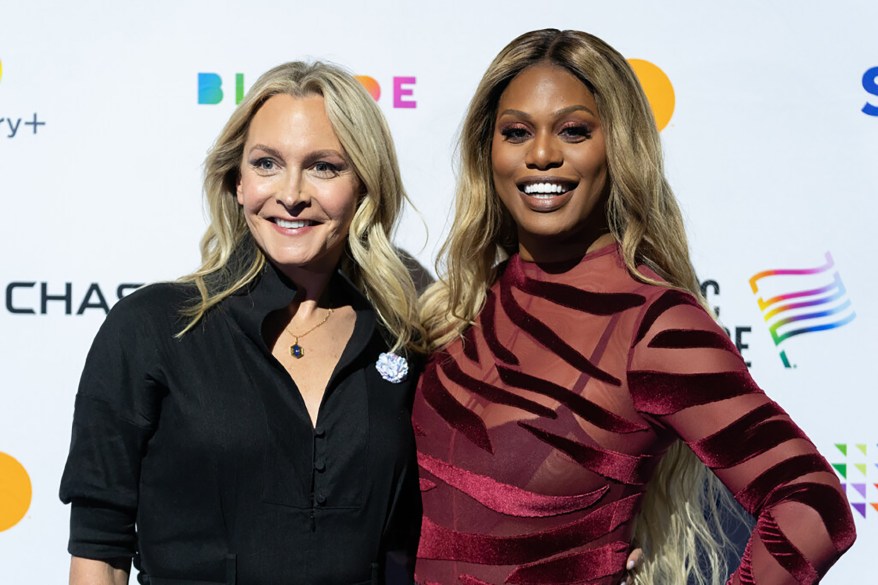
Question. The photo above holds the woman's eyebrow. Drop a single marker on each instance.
(267, 149)
(556, 114)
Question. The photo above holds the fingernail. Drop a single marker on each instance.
(629, 565)
(624, 582)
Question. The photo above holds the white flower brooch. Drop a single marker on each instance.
(393, 368)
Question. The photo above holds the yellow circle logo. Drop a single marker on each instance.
(658, 89)
(15, 492)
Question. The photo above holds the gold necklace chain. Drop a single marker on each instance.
(296, 350)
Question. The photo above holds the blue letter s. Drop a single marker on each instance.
(870, 84)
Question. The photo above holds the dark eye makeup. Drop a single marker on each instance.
(514, 132)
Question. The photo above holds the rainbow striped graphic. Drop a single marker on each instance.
(820, 305)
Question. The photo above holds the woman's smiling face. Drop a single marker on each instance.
(298, 189)
(550, 162)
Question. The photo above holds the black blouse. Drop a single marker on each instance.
(197, 455)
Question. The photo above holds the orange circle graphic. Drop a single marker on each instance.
(15, 492)
(658, 88)
(371, 85)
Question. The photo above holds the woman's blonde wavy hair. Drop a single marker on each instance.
(230, 257)
(679, 525)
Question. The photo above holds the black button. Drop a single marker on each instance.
(320, 498)
(320, 464)
(319, 431)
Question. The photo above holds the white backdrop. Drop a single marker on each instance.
(771, 150)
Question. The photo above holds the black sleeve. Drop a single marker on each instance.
(405, 529)
(116, 410)
(402, 538)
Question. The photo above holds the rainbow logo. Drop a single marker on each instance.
(854, 473)
(817, 301)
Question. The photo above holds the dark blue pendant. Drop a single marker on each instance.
(297, 351)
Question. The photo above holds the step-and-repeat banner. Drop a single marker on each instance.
(769, 115)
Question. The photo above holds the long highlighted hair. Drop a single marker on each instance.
(230, 257)
(679, 526)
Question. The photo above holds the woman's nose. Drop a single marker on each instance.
(296, 193)
(544, 153)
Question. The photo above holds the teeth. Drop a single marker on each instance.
(291, 224)
(545, 189)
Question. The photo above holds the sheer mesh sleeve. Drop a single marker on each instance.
(539, 431)
(686, 376)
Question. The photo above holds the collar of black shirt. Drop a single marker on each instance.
(272, 290)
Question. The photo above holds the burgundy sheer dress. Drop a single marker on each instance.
(539, 430)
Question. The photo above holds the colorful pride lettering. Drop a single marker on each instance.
(791, 314)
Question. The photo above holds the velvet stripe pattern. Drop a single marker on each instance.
(539, 429)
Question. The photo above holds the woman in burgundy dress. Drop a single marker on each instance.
(575, 370)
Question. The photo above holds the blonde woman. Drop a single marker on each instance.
(250, 424)
(574, 369)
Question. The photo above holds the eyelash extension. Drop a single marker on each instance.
(514, 132)
(517, 133)
(578, 130)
